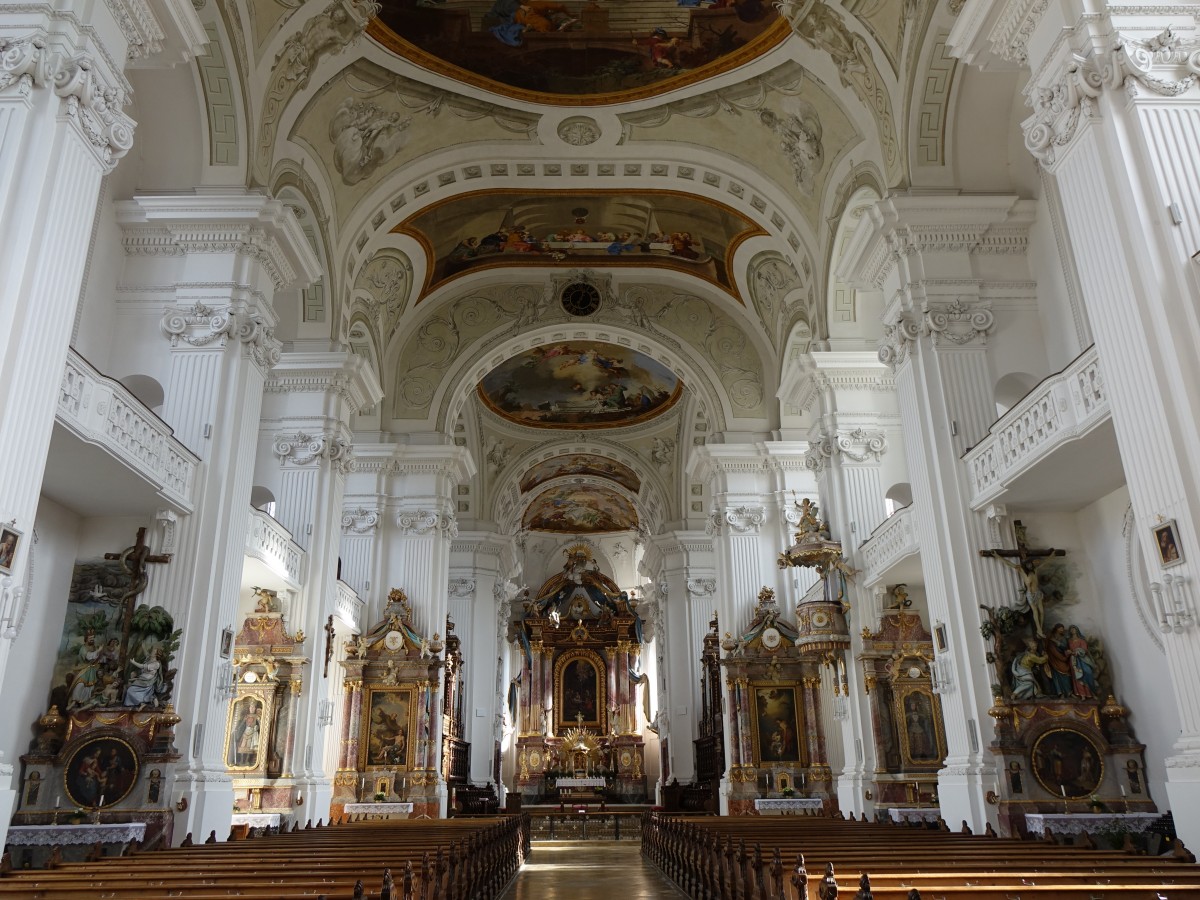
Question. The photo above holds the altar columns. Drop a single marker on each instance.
(421, 527)
(202, 270)
(1115, 99)
(940, 259)
(310, 399)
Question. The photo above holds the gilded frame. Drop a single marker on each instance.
(1166, 542)
(399, 704)
(902, 713)
(600, 721)
(238, 710)
(71, 771)
(762, 709)
(1041, 767)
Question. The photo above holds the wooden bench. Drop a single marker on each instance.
(444, 859)
(764, 859)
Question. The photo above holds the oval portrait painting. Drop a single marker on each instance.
(580, 384)
(101, 772)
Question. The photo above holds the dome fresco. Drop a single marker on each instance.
(598, 50)
(581, 464)
(580, 509)
(580, 384)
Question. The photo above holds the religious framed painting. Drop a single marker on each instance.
(775, 717)
(10, 540)
(922, 740)
(101, 772)
(579, 690)
(1067, 763)
(1166, 541)
(389, 728)
(247, 731)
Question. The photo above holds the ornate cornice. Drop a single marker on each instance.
(213, 237)
(93, 104)
(360, 521)
(1010, 35)
(200, 325)
(303, 449)
(343, 374)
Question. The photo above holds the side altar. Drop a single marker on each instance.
(390, 750)
(575, 701)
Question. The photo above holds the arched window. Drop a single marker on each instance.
(263, 500)
(897, 497)
(147, 390)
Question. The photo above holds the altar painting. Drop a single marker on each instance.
(776, 720)
(580, 510)
(583, 384)
(580, 690)
(88, 669)
(581, 464)
(101, 772)
(920, 728)
(247, 733)
(1066, 763)
(389, 728)
(538, 47)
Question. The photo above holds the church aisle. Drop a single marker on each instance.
(589, 870)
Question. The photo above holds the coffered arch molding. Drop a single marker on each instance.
(507, 493)
(463, 170)
(473, 363)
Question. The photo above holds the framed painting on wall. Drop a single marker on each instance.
(388, 728)
(246, 734)
(1166, 541)
(776, 723)
(1066, 763)
(101, 772)
(10, 540)
(920, 720)
(579, 682)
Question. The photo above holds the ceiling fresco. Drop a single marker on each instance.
(556, 228)
(595, 51)
(580, 384)
(581, 464)
(580, 509)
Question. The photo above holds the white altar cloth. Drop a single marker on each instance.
(257, 820)
(788, 806)
(1078, 823)
(378, 809)
(62, 835)
(579, 782)
(915, 814)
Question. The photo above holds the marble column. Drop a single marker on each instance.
(205, 269)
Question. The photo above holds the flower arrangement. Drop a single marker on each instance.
(380, 796)
(788, 792)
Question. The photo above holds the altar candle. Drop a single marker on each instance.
(1063, 788)
(58, 801)
(101, 803)
(1122, 787)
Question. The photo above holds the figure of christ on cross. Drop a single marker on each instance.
(1026, 562)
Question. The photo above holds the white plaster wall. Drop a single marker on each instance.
(1139, 666)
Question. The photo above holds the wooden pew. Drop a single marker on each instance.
(406, 860)
(763, 859)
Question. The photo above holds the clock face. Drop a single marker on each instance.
(393, 640)
(771, 638)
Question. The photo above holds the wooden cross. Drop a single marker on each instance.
(1026, 561)
(329, 635)
(133, 560)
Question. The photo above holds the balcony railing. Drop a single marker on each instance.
(272, 544)
(102, 411)
(895, 539)
(349, 606)
(1062, 408)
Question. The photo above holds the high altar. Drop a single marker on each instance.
(574, 703)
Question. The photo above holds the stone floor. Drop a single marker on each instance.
(589, 870)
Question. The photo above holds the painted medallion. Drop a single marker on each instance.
(582, 509)
(580, 384)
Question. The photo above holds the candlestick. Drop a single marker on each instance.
(58, 801)
(101, 803)
(1063, 788)
(1122, 787)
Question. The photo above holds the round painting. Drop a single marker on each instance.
(580, 384)
(101, 772)
(1067, 764)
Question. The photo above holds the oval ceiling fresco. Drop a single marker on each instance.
(579, 509)
(580, 384)
(581, 464)
(596, 51)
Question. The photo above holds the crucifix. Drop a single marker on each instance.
(1026, 561)
(133, 560)
(329, 635)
